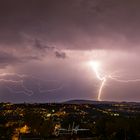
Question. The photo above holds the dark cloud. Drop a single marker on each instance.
(31, 50)
(44, 48)
(60, 54)
(75, 24)
(38, 44)
(8, 59)
(11, 59)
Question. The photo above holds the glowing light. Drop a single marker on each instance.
(104, 77)
(96, 65)
(24, 129)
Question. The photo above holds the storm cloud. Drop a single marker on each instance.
(74, 24)
(55, 40)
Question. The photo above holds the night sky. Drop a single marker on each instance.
(46, 47)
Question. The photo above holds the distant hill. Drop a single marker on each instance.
(78, 101)
(88, 102)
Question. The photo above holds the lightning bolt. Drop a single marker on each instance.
(25, 90)
(50, 90)
(103, 78)
(6, 78)
(124, 81)
(13, 74)
(19, 80)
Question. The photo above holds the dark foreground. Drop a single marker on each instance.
(99, 121)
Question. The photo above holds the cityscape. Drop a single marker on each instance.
(75, 119)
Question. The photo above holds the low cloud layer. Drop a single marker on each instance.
(28, 51)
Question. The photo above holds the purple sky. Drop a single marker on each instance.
(49, 44)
